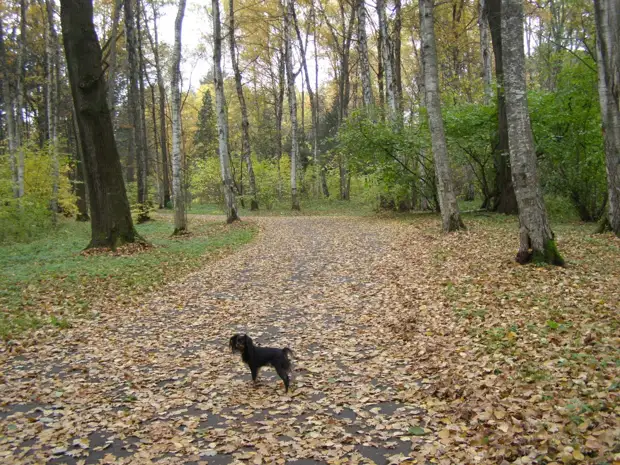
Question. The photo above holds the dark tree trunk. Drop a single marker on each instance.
(110, 215)
(505, 200)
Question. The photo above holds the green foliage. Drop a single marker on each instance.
(206, 137)
(469, 131)
(30, 217)
(567, 129)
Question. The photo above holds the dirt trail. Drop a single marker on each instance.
(159, 383)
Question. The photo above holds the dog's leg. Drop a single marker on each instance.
(254, 371)
(284, 375)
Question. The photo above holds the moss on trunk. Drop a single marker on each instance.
(549, 255)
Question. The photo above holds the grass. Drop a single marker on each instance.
(49, 282)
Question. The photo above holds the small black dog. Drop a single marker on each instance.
(256, 357)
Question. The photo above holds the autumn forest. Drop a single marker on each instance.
(420, 199)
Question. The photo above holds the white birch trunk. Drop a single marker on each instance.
(222, 118)
(608, 58)
(51, 102)
(178, 191)
(20, 99)
(386, 58)
(9, 112)
(362, 44)
(536, 237)
(450, 215)
(485, 51)
(292, 99)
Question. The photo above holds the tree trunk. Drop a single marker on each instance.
(279, 107)
(111, 221)
(222, 118)
(163, 132)
(135, 113)
(112, 63)
(536, 237)
(451, 217)
(9, 112)
(51, 49)
(387, 59)
(245, 122)
(80, 175)
(178, 192)
(292, 99)
(505, 201)
(21, 76)
(398, 83)
(608, 58)
(362, 43)
(485, 51)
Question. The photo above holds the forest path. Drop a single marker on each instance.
(158, 382)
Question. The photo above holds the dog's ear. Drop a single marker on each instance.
(233, 342)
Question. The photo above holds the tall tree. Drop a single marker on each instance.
(21, 77)
(52, 99)
(9, 111)
(163, 132)
(222, 117)
(608, 59)
(111, 223)
(396, 40)
(536, 237)
(112, 60)
(292, 98)
(135, 105)
(178, 186)
(245, 122)
(485, 50)
(362, 43)
(450, 215)
(505, 200)
(387, 60)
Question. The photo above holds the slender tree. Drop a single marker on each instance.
(536, 237)
(52, 99)
(111, 223)
(362, 47)
(485, 50)
(178, 191)
(387, 61)
(21, 77)
(608, 59)
(135, 105)
(116, 13)
(245, 122)
(451, 217)
(222, 118)
(9, 111)
(292, 98)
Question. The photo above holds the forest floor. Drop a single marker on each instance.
(410, 347)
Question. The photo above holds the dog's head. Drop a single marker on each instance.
(239, 342)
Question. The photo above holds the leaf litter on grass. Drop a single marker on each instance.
(410, 347)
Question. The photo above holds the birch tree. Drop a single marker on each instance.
(178, 186)
(485, 50)
(9, 111)
(21, 76)
(111, 223)
(536, 238)
(362, 44)
(53, 88)
(386, 59)
(222, 117)
(608, 60)
(450, 215)
(292, 98)
(245, 122)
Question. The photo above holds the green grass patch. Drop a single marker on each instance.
(49, 282)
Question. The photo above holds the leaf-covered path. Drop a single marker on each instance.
(158, 382)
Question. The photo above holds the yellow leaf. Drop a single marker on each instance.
(444, 434)
(577, 455)
(499, 414)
